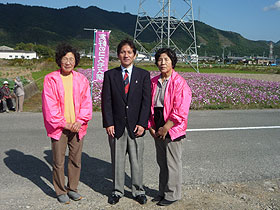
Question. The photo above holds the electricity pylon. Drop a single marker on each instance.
(164, 29)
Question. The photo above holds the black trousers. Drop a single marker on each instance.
(159, 119)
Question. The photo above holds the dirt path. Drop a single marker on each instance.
(253, 195)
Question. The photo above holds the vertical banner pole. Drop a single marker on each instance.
(93, 57)
(101, 55)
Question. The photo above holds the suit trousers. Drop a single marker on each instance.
(135, 149)
(168, 155)
(74, 162)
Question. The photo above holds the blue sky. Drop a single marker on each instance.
(253, 19)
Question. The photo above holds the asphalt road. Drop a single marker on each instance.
(244, 152)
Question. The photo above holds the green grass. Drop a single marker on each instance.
(181, 67)
(33, 104)
(206, 70)
(39, 76)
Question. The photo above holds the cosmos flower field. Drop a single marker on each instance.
(211, 91)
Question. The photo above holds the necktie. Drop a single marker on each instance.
(126, 82)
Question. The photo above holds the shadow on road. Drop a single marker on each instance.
(31, 168)
(96, 173)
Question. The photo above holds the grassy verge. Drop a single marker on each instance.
(33, 104)
(39, 76)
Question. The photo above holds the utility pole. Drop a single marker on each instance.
(271, 50)
(223, 55)
(199, 13)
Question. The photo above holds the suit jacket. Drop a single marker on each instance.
(126, 111)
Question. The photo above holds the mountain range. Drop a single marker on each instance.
(49, 26)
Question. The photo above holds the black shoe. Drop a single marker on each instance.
(157, 199)
(165, 202)
(114, 199)
(142, 199)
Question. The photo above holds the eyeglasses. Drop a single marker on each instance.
(65, 60)
(167, 60)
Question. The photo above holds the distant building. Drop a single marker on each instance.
(235, 60)
(206, 58)
(5, 48)
(10, 53)
(142, 57)
(264, 60)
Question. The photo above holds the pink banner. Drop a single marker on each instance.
(101, 55)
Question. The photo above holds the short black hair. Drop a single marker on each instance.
(62, 50)
(126, 42)
(169, 52)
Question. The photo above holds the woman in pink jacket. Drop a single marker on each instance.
(67, 108)
(171, 98)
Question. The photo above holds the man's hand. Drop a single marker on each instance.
(111, 131)
(139, 130)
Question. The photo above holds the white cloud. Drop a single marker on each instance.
(275, 6)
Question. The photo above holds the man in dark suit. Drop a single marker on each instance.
(126, 101)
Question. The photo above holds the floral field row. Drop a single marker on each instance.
(211, 91)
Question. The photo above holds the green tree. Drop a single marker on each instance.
(44, 51)
(24, 46)
(41, 50)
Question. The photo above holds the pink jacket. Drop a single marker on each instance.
(177, 100)
(53, 103)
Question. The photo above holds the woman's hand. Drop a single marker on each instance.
(152, 132)
(76, 127)
(68, 126)
(162, 132)
(73, 127)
